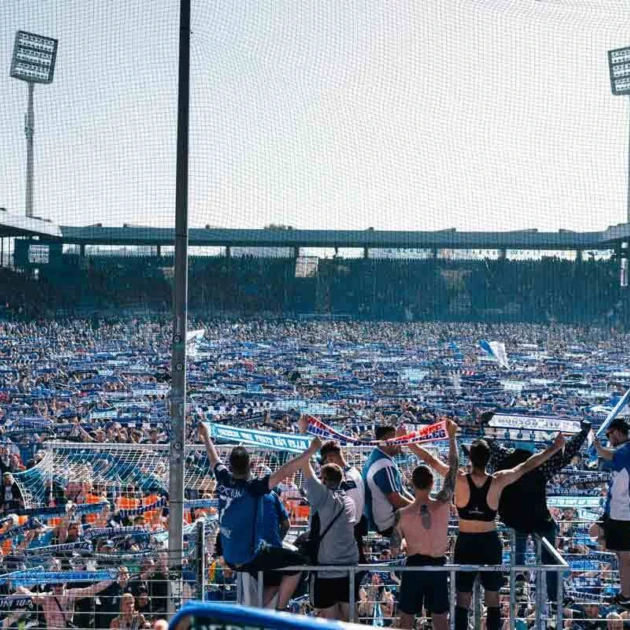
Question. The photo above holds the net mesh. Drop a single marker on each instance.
(484, 133)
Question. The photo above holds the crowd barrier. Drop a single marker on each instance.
(539, 569)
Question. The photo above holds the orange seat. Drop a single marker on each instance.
(302, 512)
(92, 499)
(150, 500)
(127, 503)
(152, 517)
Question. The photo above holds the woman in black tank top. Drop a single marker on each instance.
(477, 508)
(481, 544)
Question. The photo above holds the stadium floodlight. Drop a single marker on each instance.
(34, 58)
(619, 68)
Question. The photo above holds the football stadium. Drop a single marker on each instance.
(315, 314)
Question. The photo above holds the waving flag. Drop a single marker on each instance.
(496, 350)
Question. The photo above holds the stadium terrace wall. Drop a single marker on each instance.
(546, 290)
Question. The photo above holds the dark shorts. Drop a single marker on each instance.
(326, 592)
(617, 534)
(478, 549)
(269, 560)
(424, 589)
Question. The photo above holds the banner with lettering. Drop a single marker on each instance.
(534, 423)
(263, 439)
(431, 433)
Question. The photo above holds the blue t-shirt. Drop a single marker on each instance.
(618, 500)
(273, 513)
(238, 514)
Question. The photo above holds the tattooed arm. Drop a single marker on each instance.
(445, 495)
(397, 536)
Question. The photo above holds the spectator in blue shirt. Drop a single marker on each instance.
(616, 521)
(240, 507)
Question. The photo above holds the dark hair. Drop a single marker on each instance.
(618, 423)
(384, 432)
(422, 477)
(516, 457)
(239, 461)
(479, 454)
(330, 448)
(332, 474)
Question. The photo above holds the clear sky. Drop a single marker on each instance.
(338, 114)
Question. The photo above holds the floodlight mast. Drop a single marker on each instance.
(619, 67)
(29, 130)
(34, 58)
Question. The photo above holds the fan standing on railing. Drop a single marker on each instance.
(384, 488)
(239, 501)
(616, 521)
(424, 527)
(353, 485)
(523, 504)
(477, 496)
(337, 514)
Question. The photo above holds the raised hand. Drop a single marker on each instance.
(315, 445)
(559, 441)
(303, 424)
(401, 430)
(451, 428)
(203, 431)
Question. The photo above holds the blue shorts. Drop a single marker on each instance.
(424, 589)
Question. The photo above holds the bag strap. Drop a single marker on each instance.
(61, 610)
(321, 537)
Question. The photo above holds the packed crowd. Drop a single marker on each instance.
(84, 498)
(541, 291)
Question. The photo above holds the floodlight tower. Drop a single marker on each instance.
(33, 61)
(619, 66)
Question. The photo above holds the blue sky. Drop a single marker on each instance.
(423, 114)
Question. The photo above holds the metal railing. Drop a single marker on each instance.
(452, 569)
(147, 577)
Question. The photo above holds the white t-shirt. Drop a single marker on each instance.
(354, 487)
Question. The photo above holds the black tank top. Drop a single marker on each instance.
(477, 508)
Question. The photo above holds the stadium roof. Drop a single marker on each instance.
(447, 239)
(16, 225)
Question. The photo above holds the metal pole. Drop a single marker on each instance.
(539, 596)
(452, 598)
(512, 599)
(512, 579)
(351, 598)
(201, 559)
(477, 602)
(261, 590)
(559, 600)
(29, 130)
(178, 362)
(628, 196)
